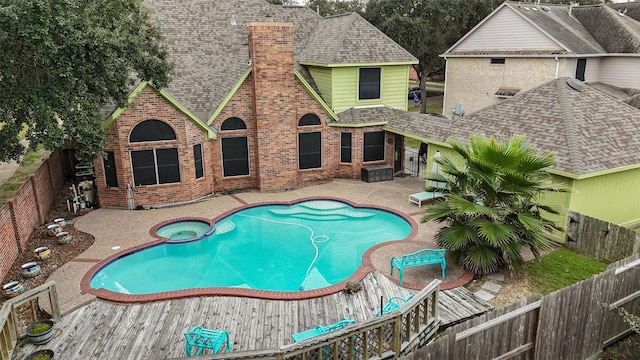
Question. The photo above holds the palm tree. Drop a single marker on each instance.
(490, 206)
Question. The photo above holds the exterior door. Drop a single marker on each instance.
(398, 164)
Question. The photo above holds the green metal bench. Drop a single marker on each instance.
(321, 330)
(393, 304)
(422, 257)
(206, 339)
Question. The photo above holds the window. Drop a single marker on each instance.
(309, 150)
(309, 120)
(109, 164)
(152, 130)
(581, 66)
(197, 160)
(233, 123)
(497, 61)
(369, 84)
(235, 156)
(345, 147)
(373, 146)
(155, 166)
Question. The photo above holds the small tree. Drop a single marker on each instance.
(491, 206)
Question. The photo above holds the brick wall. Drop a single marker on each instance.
(8, 240)
(271, 52)
(27, 210)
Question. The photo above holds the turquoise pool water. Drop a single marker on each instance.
(305, 246)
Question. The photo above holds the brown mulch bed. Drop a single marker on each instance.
(60, 253)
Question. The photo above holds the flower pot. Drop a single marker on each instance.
(63, 237)
(45, 354)
(53, 229)
(60, 221)
(40, 332)
(42, 253)
(12, 289)
(30, 269)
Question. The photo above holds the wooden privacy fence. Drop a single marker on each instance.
(10, 328)
(599, 239)
(387, 336)
(572, 323)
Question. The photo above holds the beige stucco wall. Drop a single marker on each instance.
(472, 82)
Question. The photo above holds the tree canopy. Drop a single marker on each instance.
(427, 28)
(63, 60)
(492, 207)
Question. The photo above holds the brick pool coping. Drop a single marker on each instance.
(366, 267)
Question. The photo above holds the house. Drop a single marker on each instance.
(595, 136)
(258, 103)
(522, 45)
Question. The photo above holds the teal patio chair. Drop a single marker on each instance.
(393, 304)
(206, 339)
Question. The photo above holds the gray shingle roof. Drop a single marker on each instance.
(561, 26)
(211, 54)
(597, 29)
(616, 33)
(589, 131)
(347, 39)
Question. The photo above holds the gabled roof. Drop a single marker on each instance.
(210, 53)
(579, 30)
(590, 131)
(350, 39)
(208, 42)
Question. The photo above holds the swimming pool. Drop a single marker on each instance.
(295, 247)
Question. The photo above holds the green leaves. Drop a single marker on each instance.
(65, 60)
(490, 208)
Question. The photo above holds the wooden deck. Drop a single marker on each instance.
(104, 330)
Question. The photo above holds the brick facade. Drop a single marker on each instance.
(270, 102)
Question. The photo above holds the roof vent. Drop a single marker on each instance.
(576, 84)
(546, 9)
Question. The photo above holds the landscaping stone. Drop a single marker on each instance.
(496, 277)
(491, 286)
(486, 296)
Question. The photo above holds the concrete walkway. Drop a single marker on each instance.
(117, 229)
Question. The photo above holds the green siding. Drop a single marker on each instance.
(394, 82)
(560, 201)
(322, 78)
(612, 197)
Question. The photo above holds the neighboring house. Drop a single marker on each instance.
(522, 45)
(595, 136)
(257, 103)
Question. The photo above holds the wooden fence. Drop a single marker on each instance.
(26, 303)
(385, 337)
(572, 323)
(599, 239)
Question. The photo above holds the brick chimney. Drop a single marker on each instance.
(271, 51)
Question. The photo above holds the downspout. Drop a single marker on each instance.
(444, 98)
(557, 66)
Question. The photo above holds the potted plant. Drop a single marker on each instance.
(40, 355)
(40, 332)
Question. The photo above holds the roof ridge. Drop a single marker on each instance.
(570, 125)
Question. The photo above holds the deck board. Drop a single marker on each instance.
(105, 330)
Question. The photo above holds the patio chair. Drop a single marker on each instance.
(321, 330)
(206, 339)
(394, 304)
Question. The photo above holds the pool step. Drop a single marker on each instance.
(224, 227)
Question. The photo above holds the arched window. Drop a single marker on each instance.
(233, 123)
(154, 166)
(235, 149)
(309, 144)
(152, 130)
(309, 120)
